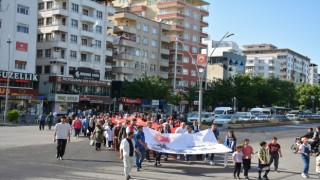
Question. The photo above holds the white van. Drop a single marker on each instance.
(222, 111)
(258, 111)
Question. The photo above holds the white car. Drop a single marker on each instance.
(263, 117)
(206, 117)
(222, 119)
(246, 118)
(292, 116)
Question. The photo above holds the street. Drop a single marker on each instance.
(27, 153)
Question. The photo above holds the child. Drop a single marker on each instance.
(263, 155)
(237, 161)
(304, 150)
(318, 165)
(247, 152)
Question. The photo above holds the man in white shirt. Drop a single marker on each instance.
(127, 149)
(61, 135)
(180, 130)
(132, 127)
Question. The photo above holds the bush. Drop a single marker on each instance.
(13, 116)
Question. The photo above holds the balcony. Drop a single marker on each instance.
(138, 8)
(109, 52)
(172, 3)
(55, 26)
(164, 62)
(108, 66)
(204, 35)
(60, 10)
(172, 15)
(125, 15)
(124, 70)
(165, 51)
(89, 4)
(165, 39)
(177, 27)
(88, 32)
(109, 24)
(53, 43)
(203, 45)
(110, 10)
(89, 18)
(164, 74)
(126, 42)
(109, 38)
(124, 28)
(204, 23)
(87, 48)
(125, 56)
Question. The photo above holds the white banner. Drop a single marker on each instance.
(203, 142)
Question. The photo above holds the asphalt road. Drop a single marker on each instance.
(27, 153)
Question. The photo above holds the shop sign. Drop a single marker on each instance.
(76, 81)
(66, 98)
(20, 91)
(19, 76)
(21, 46)
(155, 103)
(130, 101)
(87, 73)
(96, 99)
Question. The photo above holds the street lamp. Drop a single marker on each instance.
(313, 98)
(205, 72)
(7, 87)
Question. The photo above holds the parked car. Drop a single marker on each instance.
(263, 117)
(292, 116)
(314, 117)
(207, 117)
(222, 119)
(246, 118)
(280, 118)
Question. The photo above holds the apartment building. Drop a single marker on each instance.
(18, 27)
(268, 61)
(225, 62)
(73, 54)
(313, 74)
(186, 18)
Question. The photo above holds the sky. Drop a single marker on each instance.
(292, 24)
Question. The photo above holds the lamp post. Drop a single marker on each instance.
(7, 87)
(313, 98)
(204, 71)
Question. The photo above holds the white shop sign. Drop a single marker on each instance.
(66, 98)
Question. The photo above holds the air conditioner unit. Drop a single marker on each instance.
(56, 49)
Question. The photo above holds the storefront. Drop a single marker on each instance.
(23, 92)
(99, 103)
(129, 105)
(63, 103)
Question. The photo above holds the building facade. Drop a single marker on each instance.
(268, 61)
(18, 22)
(186, 18)
(73, 53)
(313, 74)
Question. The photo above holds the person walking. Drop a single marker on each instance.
(247, 152)
(116, 132)
(109, 133)
(166, 130)
(85, 124)
(318, 165)
(97, 135)
(188, 156)
(141, 144)
(237, 161)
(127, 149)
(91, 126)
(157, 154)
(42, 121)
(216, 134)
(274, 152)
(180, 130)
(263, 155)
(77, 124)
(230, 142)
(61, 135)
(123, 133)
(305, 150)
(49, 120)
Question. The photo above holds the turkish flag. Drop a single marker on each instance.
(201, 59)
(21, 46)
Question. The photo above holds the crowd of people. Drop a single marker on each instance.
(128, 138)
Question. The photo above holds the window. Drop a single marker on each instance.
(23, 28)
(137, 52)
(195, 15)
(139, 26)
(185, 59)
(186, 36)
(154, 30)
(0, 23)
(85, 12)
(153, 55)
(194, 50)
(47, 53)
(185, 71)
(145, 28)
(84, 42)
(84, 57)
(49, 5)
(47, 69)
(41, 22)
(74, 39)
(75, 8)
(99, 14)
(39, 70)
(74, 23)
(73, 54)
(154, 43)
(49, 21)
(187, 24)
(39, 53)
(138, 39)
(40, 37)
(136, 65)
(97, 58)
(49, 37)
(194, 38)
(195, 27)
(187, 12)
(23, 9)
(85, 27)
(20, 64)
(41, 6)
(98, 44)
(99, 29)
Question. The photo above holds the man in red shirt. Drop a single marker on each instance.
(274, 151)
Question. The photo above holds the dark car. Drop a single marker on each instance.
(280, 118)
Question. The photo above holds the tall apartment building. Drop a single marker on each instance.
(186, 18)
(73, 55)
(18, 20)
(225, 62)
(313, 74)
(268, 61)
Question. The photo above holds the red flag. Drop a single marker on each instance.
(201, 59)
(21, 46)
